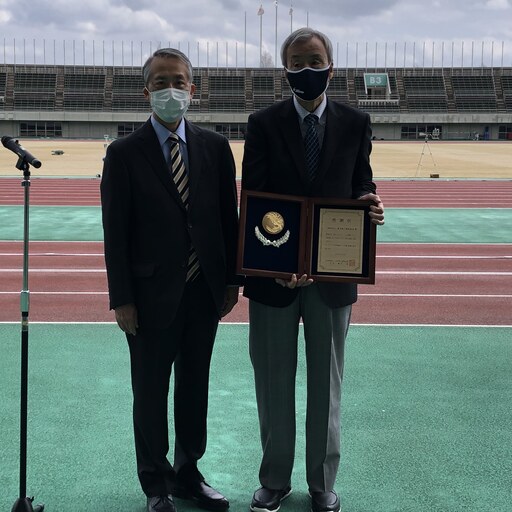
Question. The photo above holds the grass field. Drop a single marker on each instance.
(398, 159)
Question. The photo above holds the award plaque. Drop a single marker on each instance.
(327, 239)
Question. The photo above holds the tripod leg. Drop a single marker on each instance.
(421, 158)
(432, 158)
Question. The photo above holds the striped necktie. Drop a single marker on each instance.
(180, 178)
(312, 145)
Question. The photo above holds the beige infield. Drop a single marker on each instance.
(398, 159)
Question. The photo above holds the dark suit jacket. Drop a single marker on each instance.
(147, 230)
(274, 161)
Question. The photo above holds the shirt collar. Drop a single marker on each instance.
(303, 112)
(163, 133)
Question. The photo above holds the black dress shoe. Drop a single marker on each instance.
(324, 502)
(161, 504)
(269, 500)
(202, 494)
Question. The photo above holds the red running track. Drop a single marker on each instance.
(394, 193)
(452, 284)
(419, 284)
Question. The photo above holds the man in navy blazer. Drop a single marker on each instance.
(304, 146)
(170, 251)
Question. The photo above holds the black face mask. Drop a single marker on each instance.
(308, 84)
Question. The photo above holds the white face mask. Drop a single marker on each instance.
(169, 104)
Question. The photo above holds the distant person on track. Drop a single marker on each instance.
(170, 222)
(304, 146)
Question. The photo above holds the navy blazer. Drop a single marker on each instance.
(274, 161)
(148, 231)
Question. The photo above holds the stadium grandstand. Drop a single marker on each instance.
(409, 103)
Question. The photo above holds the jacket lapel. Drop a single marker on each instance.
(195, 150)
(292, 135)
(333, 135)
(152, 151)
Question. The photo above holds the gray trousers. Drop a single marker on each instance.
(273, 334)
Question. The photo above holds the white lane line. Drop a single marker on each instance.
(385, 244)
(437, 295)
(420, 295)
(379, 272)
(71, 293)
(440, 273)
(42, 254)
(56, 293)
(223, 322)
(379, 256)
(444, 257)
(56, 270)
(447, 244)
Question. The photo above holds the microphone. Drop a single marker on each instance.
(17, 148)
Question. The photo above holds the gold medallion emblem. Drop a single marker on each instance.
(273, 223)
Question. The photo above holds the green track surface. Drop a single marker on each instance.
(426, 420)
(407, 225)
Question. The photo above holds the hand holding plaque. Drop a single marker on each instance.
(327, 239)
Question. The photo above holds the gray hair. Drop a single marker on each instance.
(303, 35)
(166, 53)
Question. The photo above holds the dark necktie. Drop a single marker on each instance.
(312, 145)
(180, 177)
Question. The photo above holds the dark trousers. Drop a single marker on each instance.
(187, 344)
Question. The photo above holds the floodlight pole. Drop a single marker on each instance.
(24, 503)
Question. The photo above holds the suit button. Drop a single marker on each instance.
(189, 225)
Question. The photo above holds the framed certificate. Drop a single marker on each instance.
(327, 239)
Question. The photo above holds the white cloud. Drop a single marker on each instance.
(87, 27)
(236, 22)
(498, 4)
(5, 16)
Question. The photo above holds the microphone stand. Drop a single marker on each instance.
(24, 503)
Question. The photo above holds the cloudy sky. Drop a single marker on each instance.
(216, 32)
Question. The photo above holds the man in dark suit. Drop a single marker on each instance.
(305, 146)
(170, 224)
